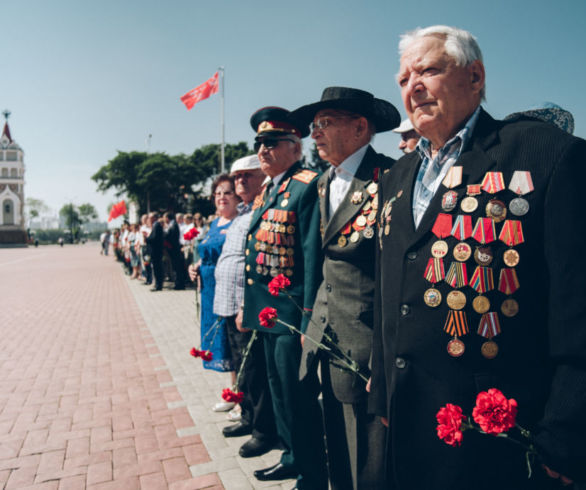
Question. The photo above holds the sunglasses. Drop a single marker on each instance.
(269, 143)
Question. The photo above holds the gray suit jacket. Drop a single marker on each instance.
(344, 304)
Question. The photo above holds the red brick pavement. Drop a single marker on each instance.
(81, 404)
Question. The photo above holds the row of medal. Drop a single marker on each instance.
(365, 220)
(275, 241)
(484, 232)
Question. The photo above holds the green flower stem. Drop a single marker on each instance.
(350, 365)
(347, 360)
(244, 358)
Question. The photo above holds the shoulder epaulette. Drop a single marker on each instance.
(305, 176)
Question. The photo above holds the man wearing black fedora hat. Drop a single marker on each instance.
(283, 238)
(343, 124)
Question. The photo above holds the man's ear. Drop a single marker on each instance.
(477, 75)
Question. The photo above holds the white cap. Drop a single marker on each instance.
(405, 126)
(251, 162)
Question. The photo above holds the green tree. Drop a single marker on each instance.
(87, 212)
(35, 207)
(70, 214)
(158, 181)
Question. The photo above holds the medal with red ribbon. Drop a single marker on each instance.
(493, 182)
(457, 275)
(482, 280)
(443, 225)
(434, 272)
(508, 281)
(462, 228)
(484, 231)
(512, 233)
(489, 326)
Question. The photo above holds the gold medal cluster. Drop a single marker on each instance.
(275, 243)
(363, 223)
(496, 209)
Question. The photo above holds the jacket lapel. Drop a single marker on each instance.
(348, 209)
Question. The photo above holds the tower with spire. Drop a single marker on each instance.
(12, 232)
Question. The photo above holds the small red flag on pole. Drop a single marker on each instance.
(116, 210)
(201, 92)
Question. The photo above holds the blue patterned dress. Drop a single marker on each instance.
(213, 340)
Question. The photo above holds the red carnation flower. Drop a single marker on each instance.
(206, 355)
(190, 234)
(449, 419)
(278, 283)
(494, 412)
(267, 317)
(230, 396)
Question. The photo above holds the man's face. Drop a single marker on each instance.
(337, 140)
(408, 141)
(280, 154)
(248, 184)
(438, 95)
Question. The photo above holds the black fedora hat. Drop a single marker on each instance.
(381, 113)
(276, 121)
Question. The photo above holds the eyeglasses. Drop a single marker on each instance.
(221, 193)
(322, 123)
(269, 143)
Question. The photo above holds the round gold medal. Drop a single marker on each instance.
(368, 232)
(284, 203)
(361, 220)
(456, 300)
(354, 236)
(342, 241)
(372, 188)
(259, 269)
(439, 249)
(290, 229)
(462, 252)
(510, 307)
(469, 204)
(290, 251)
(497, 210)
(511, 257)
(456, 347)
(483, 256)
(288, 272)
(489, 349)
(257, 246)
(432, 297)
(481, 304)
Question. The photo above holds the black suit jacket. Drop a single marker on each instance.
(542, 350)
(344, 302)
(155, 239)
(172, 236)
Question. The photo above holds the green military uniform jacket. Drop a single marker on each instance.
(284, 238)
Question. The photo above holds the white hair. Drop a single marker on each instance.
(459, 44)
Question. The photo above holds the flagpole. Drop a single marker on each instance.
(221, 70)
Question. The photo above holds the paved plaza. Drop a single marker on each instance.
(97, 387)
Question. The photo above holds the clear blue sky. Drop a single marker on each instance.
(84, 79)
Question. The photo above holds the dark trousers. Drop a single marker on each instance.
(257, 405)
(355, 441)
(158, 272)
(297, 412)
(178, 263)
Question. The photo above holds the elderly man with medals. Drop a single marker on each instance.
(283, 238)
(481, 308)
(343, 124)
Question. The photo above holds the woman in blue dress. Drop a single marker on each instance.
(213, 334)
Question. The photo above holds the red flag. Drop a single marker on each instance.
(116, 210)
(201, 92)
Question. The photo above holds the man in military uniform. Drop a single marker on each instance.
(343, 123)
(284, 239)
(479, 283)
